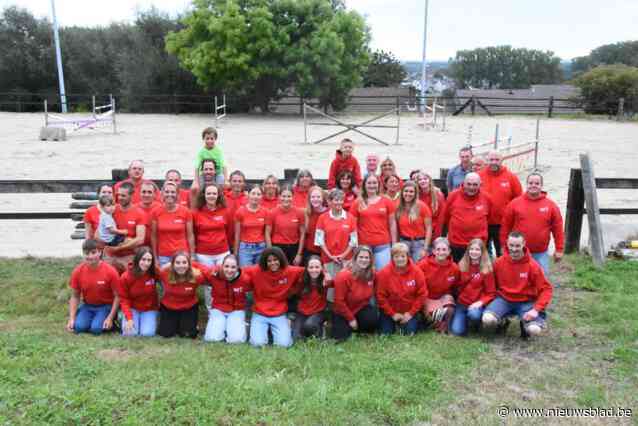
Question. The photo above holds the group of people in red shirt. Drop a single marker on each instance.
(366, 255)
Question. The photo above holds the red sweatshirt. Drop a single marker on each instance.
(522, 281)
(137, 293)
(467, 217)
(339, 164)
(272, 289)
(476, 286)
(400, 292)
(535, 218)
(351, 294)
(312, 302)
(502, 187)
(440, 278)
(227, 295)
(96, 285)
(180, 296)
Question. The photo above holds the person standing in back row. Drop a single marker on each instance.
(456, 174)
(502, 186)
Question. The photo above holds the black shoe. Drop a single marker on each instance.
(524, 334)
(503, 325)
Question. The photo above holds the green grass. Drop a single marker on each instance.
(50, 376)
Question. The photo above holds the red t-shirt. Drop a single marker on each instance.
(147, 218)
(336, 233)
(269, 203)
(300, 197)
(438, 215)
(211, 230)
(137, 293)
(272, 289)
(184, 198)
(285, 225)
(373, 228)
(233, 203)
(312, 302)
(129, 220)
(348, 200)
(252, 224)
(97, 286)
(415, 228)
(351, 294)
(309, 244)
(180, 296)
(171, 229)
(92, 217)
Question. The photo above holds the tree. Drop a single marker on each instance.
(262, 48)
(625, 52)
(504, 67)
(603, 86)
(384, 71)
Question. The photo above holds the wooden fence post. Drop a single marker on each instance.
(621, 109)
(550, 108)
(574, 211)
(597, 247)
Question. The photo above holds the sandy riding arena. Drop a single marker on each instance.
(259, 145)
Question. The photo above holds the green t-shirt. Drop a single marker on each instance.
(214, 154)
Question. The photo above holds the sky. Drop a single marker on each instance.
(569, 28)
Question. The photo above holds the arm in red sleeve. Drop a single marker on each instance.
(421, 293)
(332, 175)
(382, 299)
(357, 174)
(543, 288)
(557, 229)
(125, 300)
(340, 305)
(489, 289)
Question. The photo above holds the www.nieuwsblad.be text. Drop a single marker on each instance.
(564, 412)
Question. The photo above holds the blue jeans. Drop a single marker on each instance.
(279, 326)
(543, 260)
(144, 323)
(249, 253)
(164, 260)
(226, 325)
(388, 326)
(90, 318)
(501, 308)
(462, 315)
(381, 256)
(416, 247)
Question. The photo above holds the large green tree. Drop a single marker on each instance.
(262, 48)
(384, 70)
(505, 67)
(603, 86)
(624, 52)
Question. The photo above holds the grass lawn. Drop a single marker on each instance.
(47, 375)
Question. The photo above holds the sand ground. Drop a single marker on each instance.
(259, 145)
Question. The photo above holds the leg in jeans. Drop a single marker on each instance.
(494, 313)
(148, 323)
(410, 327)
(381, 256)
(474, 316)
(368, 319)
(458, 326)
(101, 312)
(281, 333)
(136, 324)
(416, 247)
(313, 325)
(534, 326)
(168, 322)
(386, 324)
(244, 255)
(297, 327)
(164, 260)
(258, 330)
(83, 318)
(216, 326)
(340, 328)
(543, 260)
(256, 252)
(188, 322)
(236, 327)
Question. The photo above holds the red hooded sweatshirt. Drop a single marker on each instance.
(228, 296)
(476, 286)
(440, 278)
(467, 216)
(272, 289)
(137, 293)
(351, 294)
(522, 281)
(502, 187)
(400, 292)
(535, 218)
(339, 164)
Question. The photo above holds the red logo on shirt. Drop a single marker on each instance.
(410, 283)
(179, 221)
(523, 275)
(150, 282)
(188, 288)
(131, 222)
(505, 184)
(543, 209)
(238, 289)
(283, 281)
(451, 279)
(101, 282)
(479, 207)
(370, 283)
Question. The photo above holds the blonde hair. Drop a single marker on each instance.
(485, 264)
(399, 248)
(434, 191)
(413, 208)
(363, 195)
(308, 209)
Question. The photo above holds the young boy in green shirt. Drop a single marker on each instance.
(210, 151)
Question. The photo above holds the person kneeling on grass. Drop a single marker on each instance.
(95, 283)
(401, 292)
(273, 281)
(227, 314)
(521, 289)
(179, 304)
(442, 278)
(476, 290)
(312, 301)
